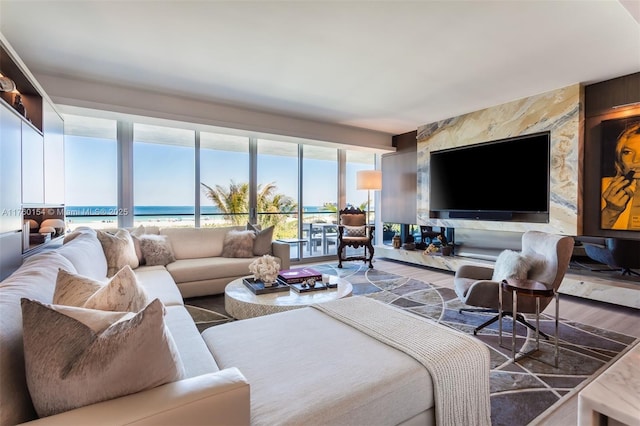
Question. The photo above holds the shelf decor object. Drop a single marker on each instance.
(6, 84)
(369, 180)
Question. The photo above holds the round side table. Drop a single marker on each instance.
(527, 288)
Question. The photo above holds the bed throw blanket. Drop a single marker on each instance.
(459, 365)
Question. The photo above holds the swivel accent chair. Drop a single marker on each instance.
(618, 254)
(550, 255)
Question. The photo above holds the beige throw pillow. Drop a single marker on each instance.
(118, 249)
(156, 250)
(122, 292)
(238, 244)
(77, 359)
(262, 242)
(135, 237)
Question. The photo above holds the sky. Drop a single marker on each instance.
(163, 174)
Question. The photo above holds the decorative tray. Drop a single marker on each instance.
(306, 289)
(257, 287)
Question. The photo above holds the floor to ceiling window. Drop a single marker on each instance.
(181, 175)
(356, 161)
(224, 179)
(277, 187)
(163, 176)
(320, 199)
(91, 172)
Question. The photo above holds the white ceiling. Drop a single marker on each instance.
(389, 66)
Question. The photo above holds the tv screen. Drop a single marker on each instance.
(504, 177)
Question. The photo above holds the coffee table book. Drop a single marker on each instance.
(257, 287)
(300, 289)
(298, 275)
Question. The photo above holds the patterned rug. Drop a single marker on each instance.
(520, 392)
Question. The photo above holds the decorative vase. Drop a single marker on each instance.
(446, 250)
(397, 242)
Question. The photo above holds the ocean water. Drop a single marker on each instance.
(156, 210)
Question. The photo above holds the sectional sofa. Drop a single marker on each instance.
(353, 361)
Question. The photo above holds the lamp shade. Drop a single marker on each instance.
(369, 179)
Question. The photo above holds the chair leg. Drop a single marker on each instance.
(485, 324)
(519, 317)
(628, 271)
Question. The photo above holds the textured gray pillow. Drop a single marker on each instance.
(122, 292)
(511, 264)
(355, 231)
(156, 250)
(262, 243)
(118, 249)
(70, 364)
(238, 243)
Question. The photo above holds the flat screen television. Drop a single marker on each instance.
(506, 180)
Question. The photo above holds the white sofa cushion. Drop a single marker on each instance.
(73, 362)
(195, 243)
(189, 270)
(159, 284)
(86, 254)
(194, 354)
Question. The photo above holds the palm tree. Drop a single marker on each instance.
(234, 203)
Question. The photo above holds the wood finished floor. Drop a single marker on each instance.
(603, 315)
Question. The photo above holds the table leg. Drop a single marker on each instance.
(325, 249)
(537, 323)
(557, 336)
(513, 331)
(500, 309)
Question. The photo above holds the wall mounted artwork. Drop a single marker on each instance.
(620, 174)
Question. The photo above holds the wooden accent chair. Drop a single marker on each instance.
(353, 231)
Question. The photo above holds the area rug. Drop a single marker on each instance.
(520, 392)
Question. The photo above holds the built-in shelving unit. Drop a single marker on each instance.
(31, 164)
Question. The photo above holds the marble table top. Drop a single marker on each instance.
(241, 303)
(615, 393)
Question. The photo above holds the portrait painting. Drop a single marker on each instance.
(620, 174)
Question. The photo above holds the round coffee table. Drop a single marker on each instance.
(241, 303)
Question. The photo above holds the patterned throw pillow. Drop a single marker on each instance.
(262, 243)
(355, 231)
(122, 292)
(156, 250)
(119, 250)
(76, 357)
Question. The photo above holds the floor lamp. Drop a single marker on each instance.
(369, 180)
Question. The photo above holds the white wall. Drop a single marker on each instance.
(94, 95)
